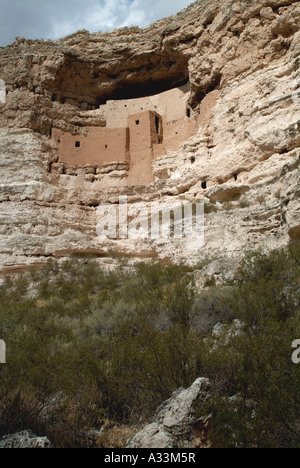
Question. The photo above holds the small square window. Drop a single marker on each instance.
(137, 122)
(77, 144)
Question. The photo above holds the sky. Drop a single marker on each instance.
(52, 19)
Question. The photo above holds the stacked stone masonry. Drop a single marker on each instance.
(137, 132)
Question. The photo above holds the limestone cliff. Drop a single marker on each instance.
(241, 59)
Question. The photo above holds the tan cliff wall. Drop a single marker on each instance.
(239, 152)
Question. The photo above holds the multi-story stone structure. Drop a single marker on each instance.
(137, 131)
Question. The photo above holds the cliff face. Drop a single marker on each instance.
(241, 59)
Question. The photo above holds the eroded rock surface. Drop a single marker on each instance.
(172, 426)
(241, 60)
(24, 440)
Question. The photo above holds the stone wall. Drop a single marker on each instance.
(101, 146)
(171, 105)
(135, 132)
(145, 129)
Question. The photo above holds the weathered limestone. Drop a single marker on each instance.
(172, 426)
(239, 152)
(25, 440)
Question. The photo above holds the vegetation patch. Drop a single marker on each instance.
(89, 349)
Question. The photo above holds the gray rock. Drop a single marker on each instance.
(173, 422)
(229, 331)
(24, 439)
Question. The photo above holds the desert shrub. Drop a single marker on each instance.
(86, 346)
(256, 385)
(210, 307)
(150, 364)
(74, 333)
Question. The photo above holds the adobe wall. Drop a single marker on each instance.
(137, 132)
(175, 134)
(145, 130)
(178, 132)
(171, 105)
(101, 146)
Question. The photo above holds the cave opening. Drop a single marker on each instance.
(126, 91)
(153, 76)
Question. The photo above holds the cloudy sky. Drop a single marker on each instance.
(51, 19)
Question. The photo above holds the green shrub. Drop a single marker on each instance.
(85, 345)
(256, 385)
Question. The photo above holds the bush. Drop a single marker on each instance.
(256, 385)
(75, 334)
(86, 346)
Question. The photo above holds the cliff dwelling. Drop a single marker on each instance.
(137, 132)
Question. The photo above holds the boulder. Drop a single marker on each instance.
(25, 439)
(174, 421)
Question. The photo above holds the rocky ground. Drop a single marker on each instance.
(174, 425)
(24, 439)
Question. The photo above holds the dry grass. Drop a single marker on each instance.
(116, 436)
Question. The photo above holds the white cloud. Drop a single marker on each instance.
(51, 19)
